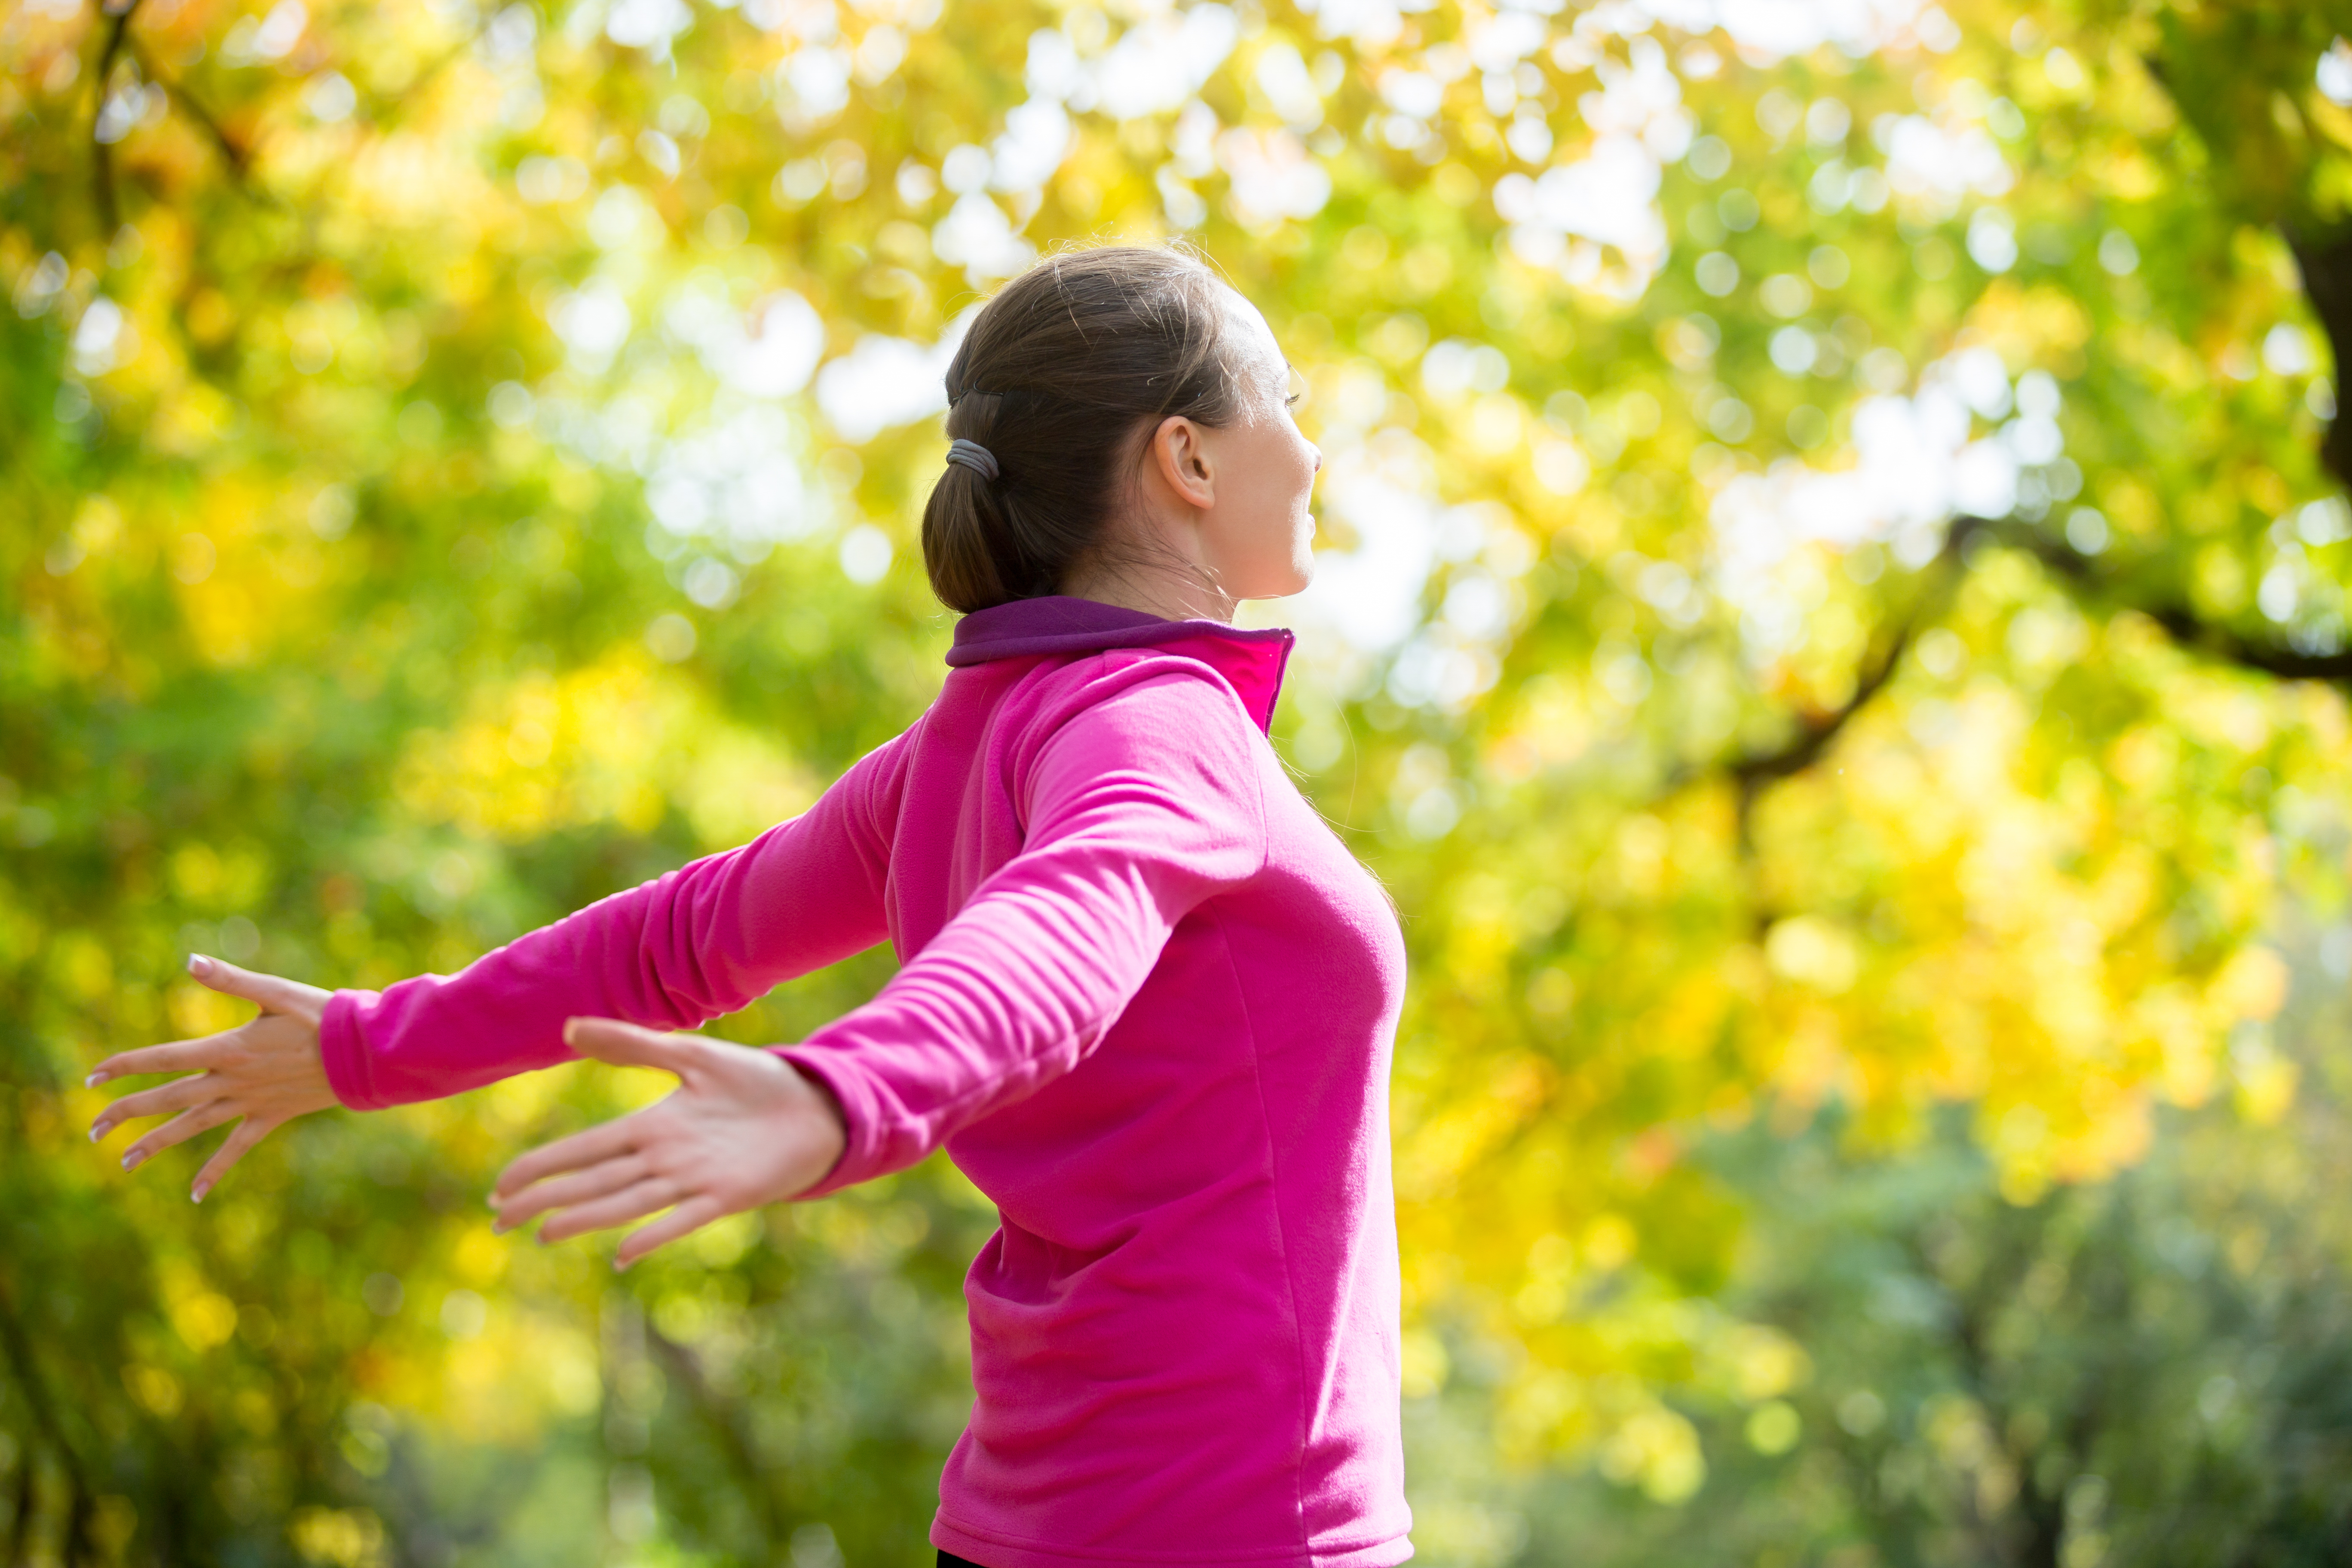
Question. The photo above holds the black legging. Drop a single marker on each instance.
(949, 1560)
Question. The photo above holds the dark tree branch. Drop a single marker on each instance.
(236, 157)
(24, 1369)
(2325, 262)
(732, 1431)
(2192, 631)
(102, 157)
(1752, 771)
(1974, 1308)
(12, 1544)
(2180, 621)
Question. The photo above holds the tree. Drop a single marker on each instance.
(467, 460)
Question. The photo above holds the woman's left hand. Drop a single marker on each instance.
(744, 1128)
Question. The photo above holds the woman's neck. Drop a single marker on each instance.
(1168, 595)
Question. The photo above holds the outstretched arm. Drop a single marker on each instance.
(702, 941)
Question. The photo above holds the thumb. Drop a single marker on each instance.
(267, 990)
(627, 1046)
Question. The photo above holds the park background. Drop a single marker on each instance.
(1830, 622)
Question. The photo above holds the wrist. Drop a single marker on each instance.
(342, 1050)
(830, 1115)
(832, 1122)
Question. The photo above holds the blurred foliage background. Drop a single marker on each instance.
(1831, 623)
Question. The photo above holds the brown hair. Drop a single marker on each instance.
(1061, 377)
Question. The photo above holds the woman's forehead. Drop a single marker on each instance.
(1252, 335)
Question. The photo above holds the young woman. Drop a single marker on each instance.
(1147, 998)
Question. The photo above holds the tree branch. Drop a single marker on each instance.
(24, 1369)
(102, 159)
(2191, 630)
(727, 1427)
(20, 1516)
(2325, 263)
(238, 160)
(1752, 771)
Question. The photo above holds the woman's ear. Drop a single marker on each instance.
(1181, 456)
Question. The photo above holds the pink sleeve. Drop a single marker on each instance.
(706, 939)
(1139, 806)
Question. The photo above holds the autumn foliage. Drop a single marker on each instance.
(1831, 624)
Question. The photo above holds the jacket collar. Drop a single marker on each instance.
(1251, 659)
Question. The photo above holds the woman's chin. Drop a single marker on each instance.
(1295, 581)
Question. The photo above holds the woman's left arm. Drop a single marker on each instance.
(1145, 803)
(1139, 807)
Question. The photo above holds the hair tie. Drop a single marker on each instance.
(973, 456)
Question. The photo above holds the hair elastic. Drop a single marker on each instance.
(973, 456)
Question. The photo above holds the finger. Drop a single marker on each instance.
(181, 1128)
(690, 1216)
(244, 1136)
(604, 1142)
(179, 1056)
(176, 1095)
(627, 1046)
(649, 1196)
(612, 1177)
(267, 990)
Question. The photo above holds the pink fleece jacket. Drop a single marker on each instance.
(1147, 1001)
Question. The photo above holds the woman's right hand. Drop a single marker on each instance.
(261, 1075)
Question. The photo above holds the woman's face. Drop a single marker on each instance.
(1258, 537)
(1225, 505)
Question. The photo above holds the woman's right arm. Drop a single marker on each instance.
(706, 939)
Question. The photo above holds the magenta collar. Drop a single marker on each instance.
(1251, 659)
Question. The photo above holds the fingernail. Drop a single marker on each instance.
(131, 1161)
(497, 1227)
(569, 1025)
(93, 1080)
(197, 1194)
(199, 965)
(96, 1130)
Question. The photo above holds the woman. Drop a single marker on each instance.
(1147, 998)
